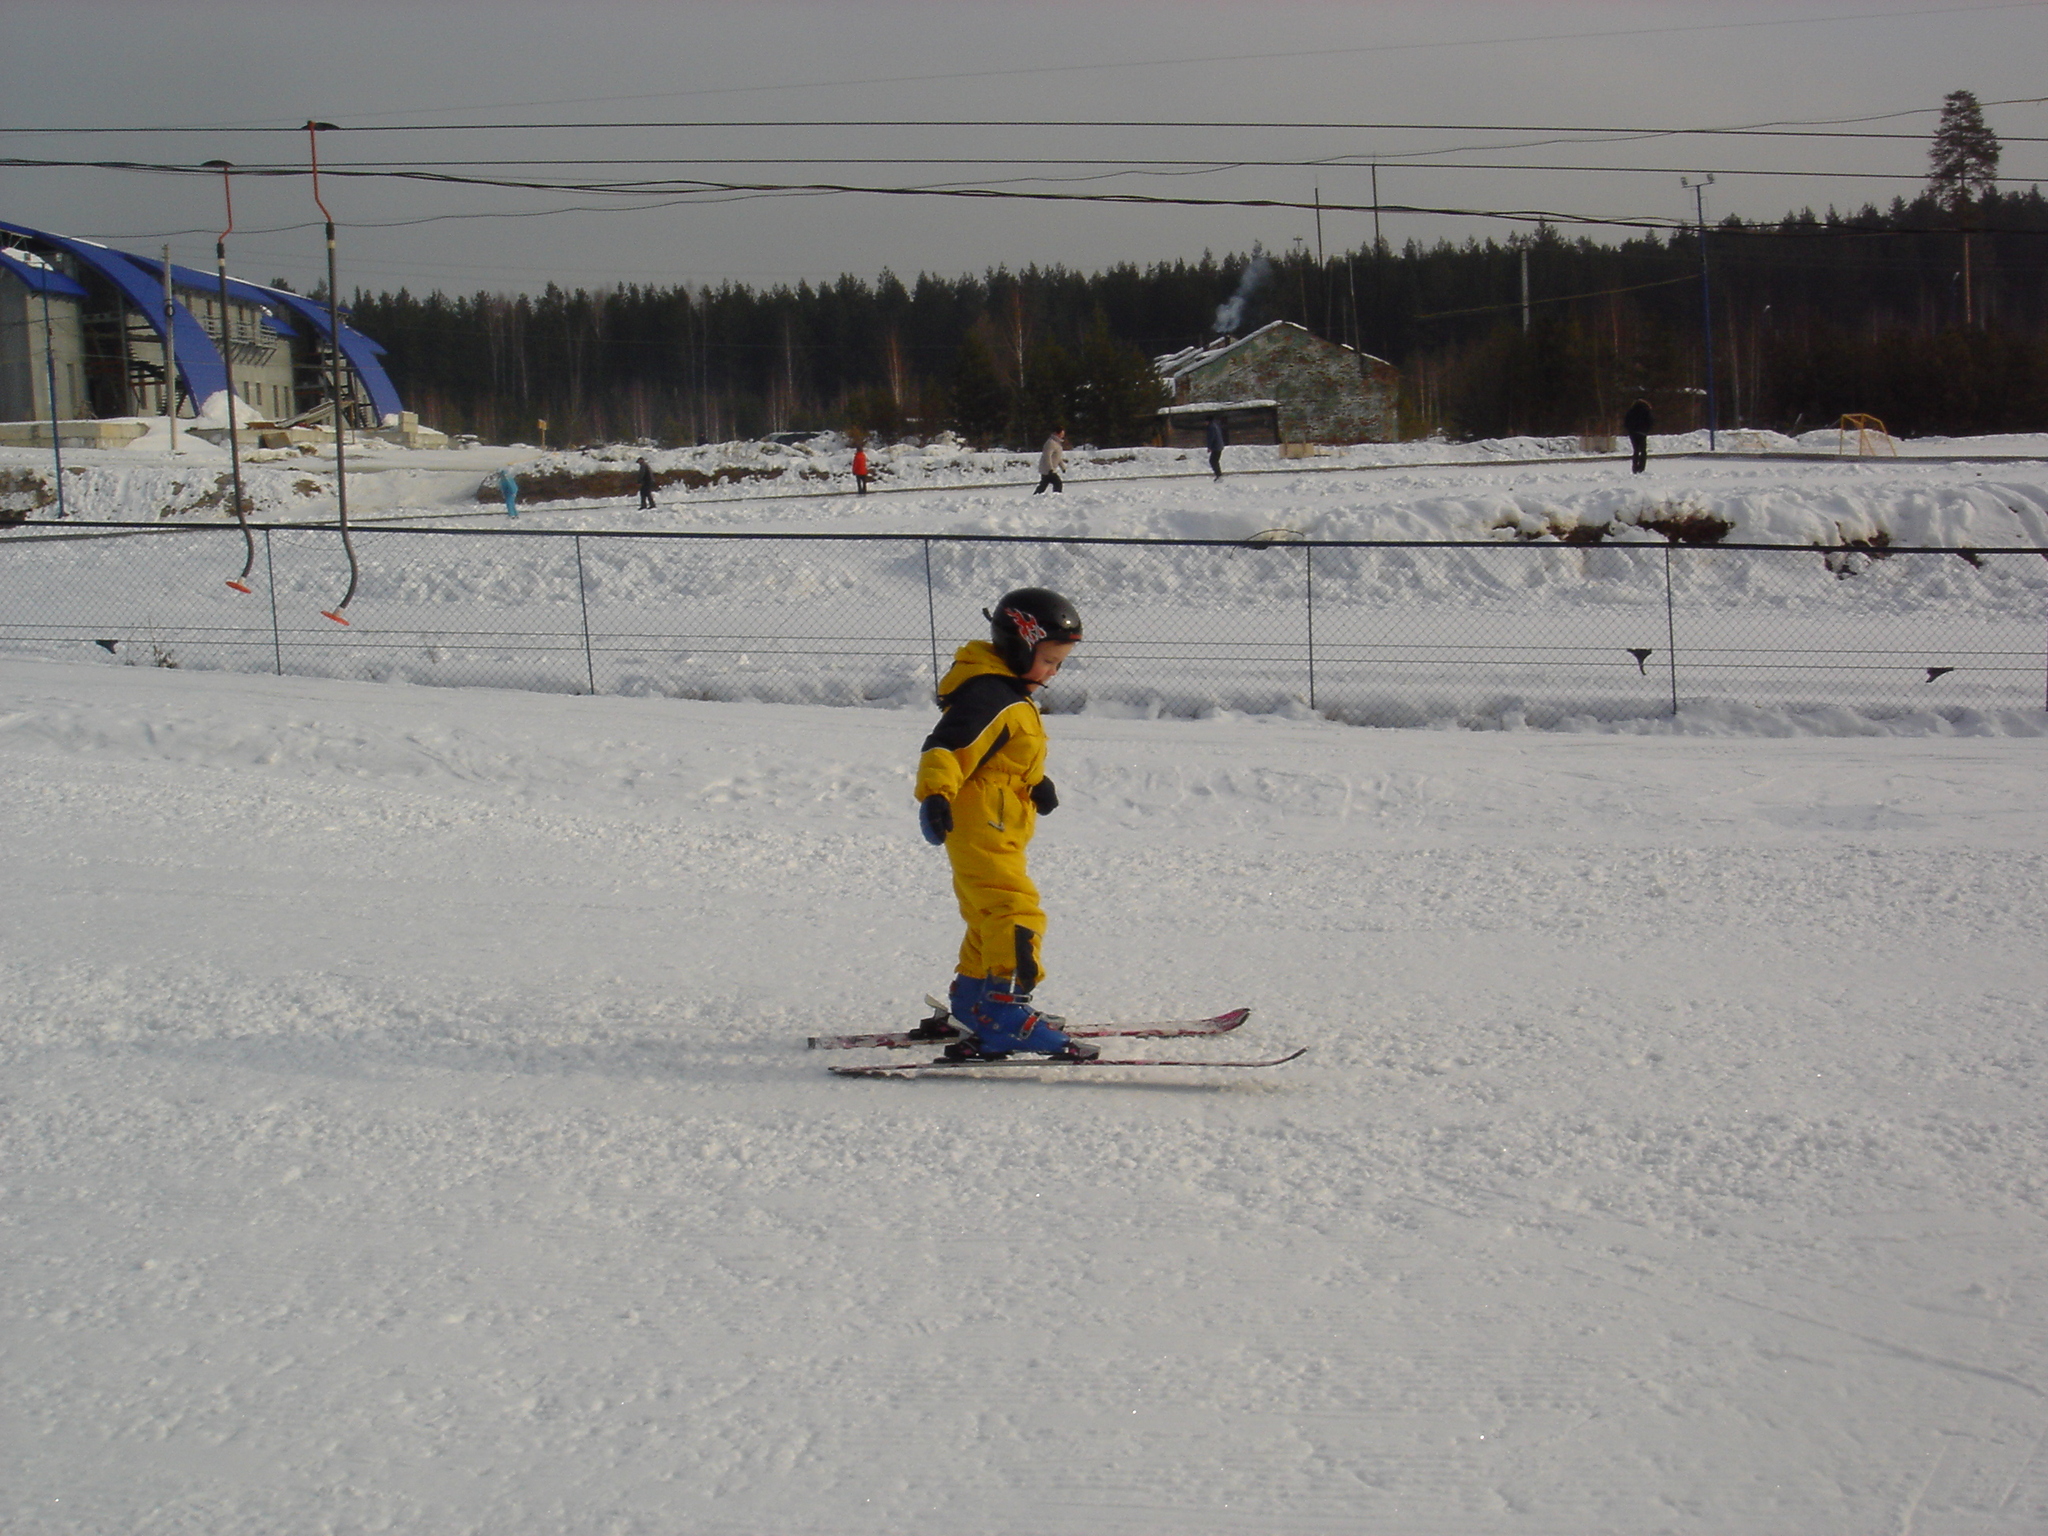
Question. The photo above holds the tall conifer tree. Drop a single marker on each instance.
(1962, 167)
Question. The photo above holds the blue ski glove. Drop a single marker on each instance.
(935, 818)
(1044, 797)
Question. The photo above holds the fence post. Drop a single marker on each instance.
(583, 601)
(1308, 568)
(1670, 633)
(270, 585)
(931, 609)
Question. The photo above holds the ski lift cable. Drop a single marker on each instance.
(338, 613)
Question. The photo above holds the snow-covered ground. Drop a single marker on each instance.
(406, 1123)
(1757, 483)
(407, 1127)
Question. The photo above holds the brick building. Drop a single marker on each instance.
(1319, 391)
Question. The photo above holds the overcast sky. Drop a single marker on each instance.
(1486, 83)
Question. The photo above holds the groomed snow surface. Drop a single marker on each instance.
(405, 1125)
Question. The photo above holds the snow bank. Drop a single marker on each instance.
(1949, 494)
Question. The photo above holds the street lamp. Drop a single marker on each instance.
(313, 132)
(1699, 193)
(227, 362)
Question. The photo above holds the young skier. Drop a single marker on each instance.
(981, 787)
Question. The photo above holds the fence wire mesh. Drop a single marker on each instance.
(1385, 634)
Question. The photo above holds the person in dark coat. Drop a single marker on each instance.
(1216, 441)
(646, 485)
(1637, 424)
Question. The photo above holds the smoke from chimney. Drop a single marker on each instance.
(1230, 313)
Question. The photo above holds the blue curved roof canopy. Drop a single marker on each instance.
(361, 352)
(39, 278)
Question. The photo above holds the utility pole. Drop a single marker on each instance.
(170, 353)
(1525, 290)
(50, 369)
(1378, 297)
(227, 363)
(1699, 193)
(1322, 266)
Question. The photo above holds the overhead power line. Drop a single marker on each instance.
(1559, 298)
(694, 191)
(1787, 129)
(1120, 165)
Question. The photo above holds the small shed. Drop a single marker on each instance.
(1321, 391)
(1244, 421)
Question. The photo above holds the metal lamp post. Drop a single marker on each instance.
(227, 361)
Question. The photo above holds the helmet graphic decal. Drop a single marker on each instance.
(1029, 630)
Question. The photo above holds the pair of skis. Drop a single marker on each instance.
(938, 1029)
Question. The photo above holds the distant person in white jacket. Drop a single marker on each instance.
(1050, 461)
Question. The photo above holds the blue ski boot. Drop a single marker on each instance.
(964, 1002)
(1003, 1021)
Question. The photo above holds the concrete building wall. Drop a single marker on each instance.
(261, 358)
(24, 356)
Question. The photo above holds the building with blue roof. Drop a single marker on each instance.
(95, 319)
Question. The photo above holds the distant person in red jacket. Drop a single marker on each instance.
(860, 470)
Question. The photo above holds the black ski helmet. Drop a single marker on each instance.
(1027, 616)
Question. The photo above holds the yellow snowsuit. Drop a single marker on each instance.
(984, 756)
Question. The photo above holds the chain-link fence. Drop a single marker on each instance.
(1376, 633)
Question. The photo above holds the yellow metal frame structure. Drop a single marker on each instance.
(1865, 427)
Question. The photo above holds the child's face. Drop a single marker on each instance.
(1047, 659)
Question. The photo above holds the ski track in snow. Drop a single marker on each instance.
(406, 1126)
